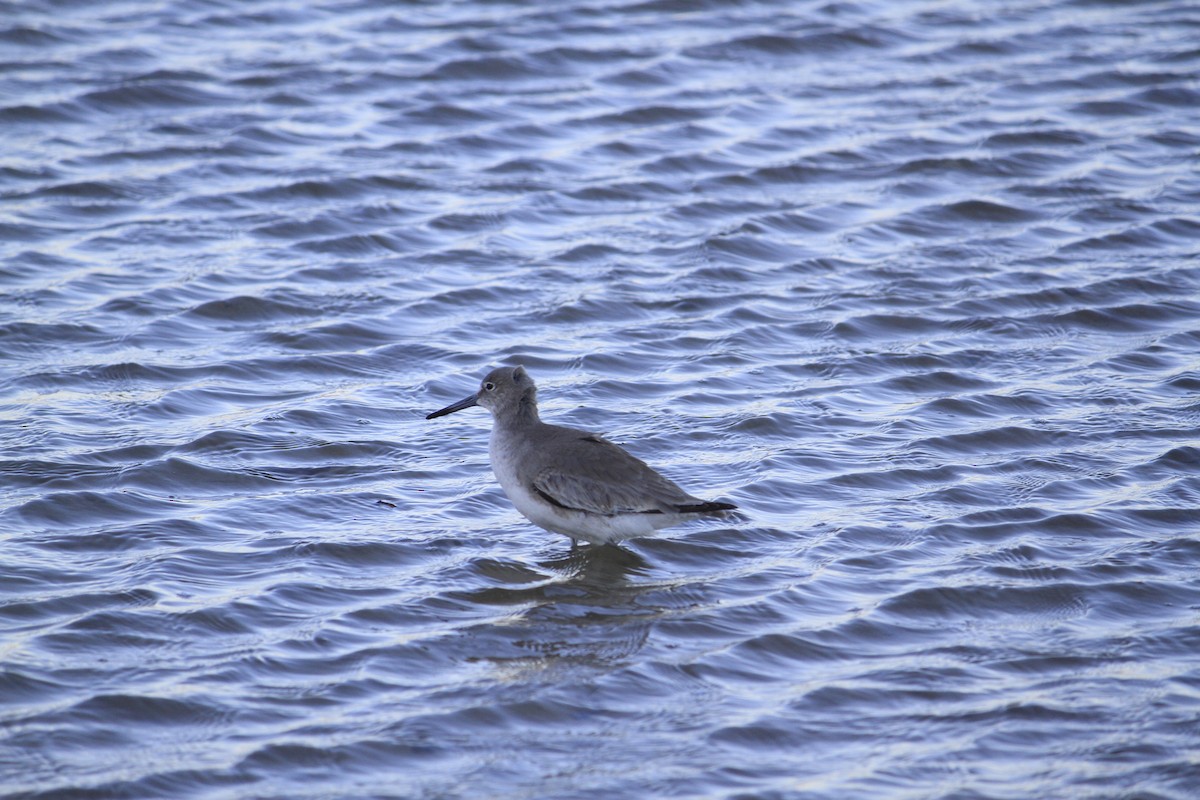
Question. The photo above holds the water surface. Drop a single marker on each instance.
(915, 284)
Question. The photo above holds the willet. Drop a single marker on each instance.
(570, 481)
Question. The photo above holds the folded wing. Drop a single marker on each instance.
(601, 478)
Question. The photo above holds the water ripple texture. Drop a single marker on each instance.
(915, 284)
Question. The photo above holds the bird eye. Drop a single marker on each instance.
(488, 386)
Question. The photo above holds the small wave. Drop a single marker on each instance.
(151, 95)
(251, 309)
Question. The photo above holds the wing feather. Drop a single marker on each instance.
(598, 477)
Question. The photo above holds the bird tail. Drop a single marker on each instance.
(704, 507)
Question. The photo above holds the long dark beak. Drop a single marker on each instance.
(466, 402)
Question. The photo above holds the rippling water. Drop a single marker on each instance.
(915, 284)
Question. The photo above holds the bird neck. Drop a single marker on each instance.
(525, 413)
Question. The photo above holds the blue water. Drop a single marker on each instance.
(914, 284)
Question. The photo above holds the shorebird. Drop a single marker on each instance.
(570, 481)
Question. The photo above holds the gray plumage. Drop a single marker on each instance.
(570, 481)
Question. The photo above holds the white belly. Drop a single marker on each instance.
(594, 528)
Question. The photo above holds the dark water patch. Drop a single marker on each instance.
(308, 229)
(986, 211)
(466, 223)
(650, 115)
(54, 475)
(251, 140)
(56, 113)
(528, 167)
(17, 688)
(1112, 108)
(1174, 96)
(886, 327)
(487, 69)
(37, 35)
(773, 47)
(142, 710)
(622, 192)
(445, 115)
(366, 245)
(141, 536)
(1004, 439)
(1111, 214)
(962, 603)
(169, 782)
(695, 163)
(126, 373)
(987, 406)
(1130, 318)
(350, 556)
(776, 654)
(1142, 362)
(940, 382)
(179, 404)
(896, 478)
(28, 173)
(73, 605)
(247, 374)
(1161, 519)
(1045, 523)
(251, 309)
(168, 475)
(591, 252)
(751, 249)
(346, 188)
(68, 507)
(1042, 137)
(815, 220)
(342, 336)
(150, 95)
(1184, 459)
(1153, 236)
